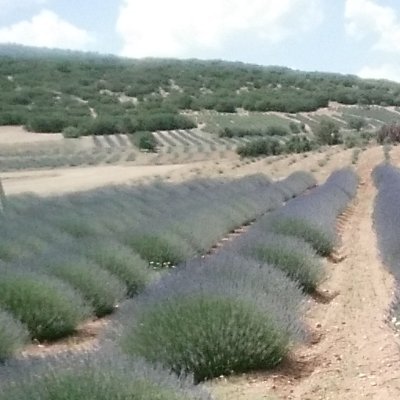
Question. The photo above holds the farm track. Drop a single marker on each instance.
(353, 353)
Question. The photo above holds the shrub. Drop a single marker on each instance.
(225, 106)
(353, 140)
(387, 148)
(292, 255)
(98, 286)
(295, 127)
(13, 335)
(102, 126)
(120, 261)
(346, 180)
(95, 377)
(265, 146)
(276, 130)
(217, 316)
(355, 155)
(386, 215)
(78, 226)
(323, 242)
(71, 132)
(299, 144)
(389, 133)
(295, 184)
(12, 118)
(160, 249)
(47, 124)
(327, 132)
(357, 123)
(164, 222)
(145, 141)
(313, 217)
(163, 121)
(236, 131)
(49, 308)
(10, 249)
(270, 146)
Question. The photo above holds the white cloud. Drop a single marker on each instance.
(385, 71)
(46, 29)
(183, 27)
(365, 18)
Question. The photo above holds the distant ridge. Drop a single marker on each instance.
(48, 90)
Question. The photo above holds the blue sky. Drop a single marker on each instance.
(349, 36)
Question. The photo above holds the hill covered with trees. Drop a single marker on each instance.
(86, 93)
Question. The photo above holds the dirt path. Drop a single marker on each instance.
(357, 354)
(64, 180)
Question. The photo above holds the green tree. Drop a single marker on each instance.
(357, 123)
(327, 132)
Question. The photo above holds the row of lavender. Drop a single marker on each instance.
(44, 285)
(240, 309)
(387, 218)
(226, 313)
(64, 260)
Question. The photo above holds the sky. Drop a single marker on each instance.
(359, 37)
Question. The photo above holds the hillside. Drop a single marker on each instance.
(50, 90)
(196, 230)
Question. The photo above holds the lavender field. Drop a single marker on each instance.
(184, 304)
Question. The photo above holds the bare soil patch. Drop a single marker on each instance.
(86, 338)
(18, 135)
(65, 180)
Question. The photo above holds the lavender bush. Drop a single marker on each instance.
(292, 255)
(313, 217)
(100, 288)
(295, 184)
(119, 260)
(13, 335)
(49, 308)
(386, 215)
(96, 241)
(159, 248)
(215, 316)
(106, 376)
